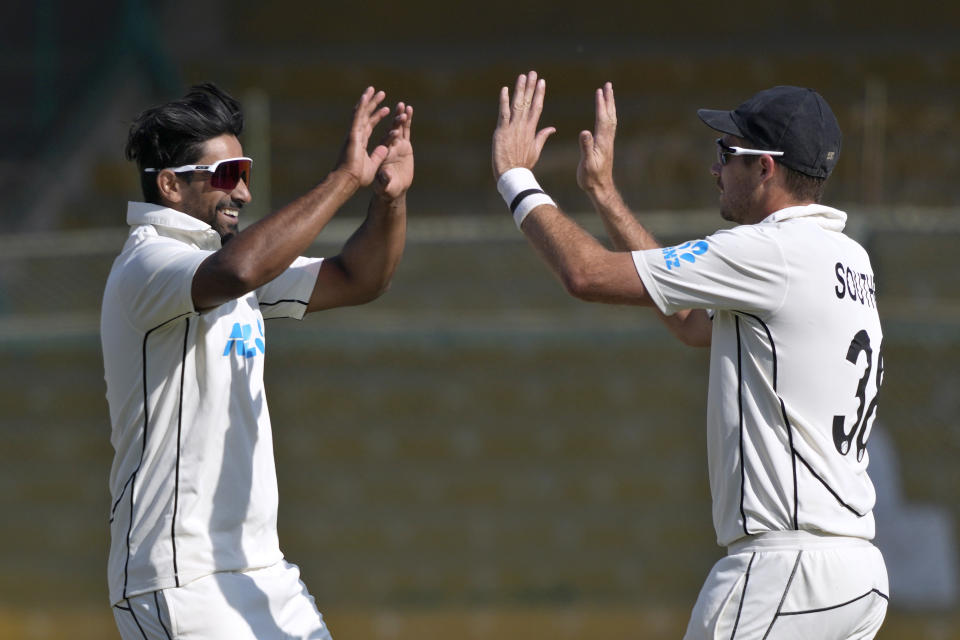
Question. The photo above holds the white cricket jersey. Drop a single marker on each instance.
(193, 480)
(795, 368)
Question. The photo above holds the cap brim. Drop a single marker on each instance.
(720, 121)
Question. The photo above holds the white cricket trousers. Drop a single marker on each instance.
(793, 585)
(263, 604)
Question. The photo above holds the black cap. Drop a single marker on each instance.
(794, 120)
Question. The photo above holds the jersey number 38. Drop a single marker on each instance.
(861, 424)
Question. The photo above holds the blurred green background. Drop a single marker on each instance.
(474, 454)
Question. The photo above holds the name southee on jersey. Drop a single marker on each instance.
(855, 286)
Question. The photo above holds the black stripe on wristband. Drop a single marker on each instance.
(520, 196)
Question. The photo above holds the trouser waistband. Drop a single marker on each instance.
(783, 540)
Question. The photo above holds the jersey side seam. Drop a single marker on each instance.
(176, 475)
(786, 421)
(146, 424)
(793, 465)
(783, 410)
(743, 479)
(829, 488)
(123, 492)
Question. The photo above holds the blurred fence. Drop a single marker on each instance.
(475, 453)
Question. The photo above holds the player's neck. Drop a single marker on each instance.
(777, 201)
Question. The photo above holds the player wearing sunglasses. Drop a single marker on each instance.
(222, 175)
(194, 550)
(786, 302)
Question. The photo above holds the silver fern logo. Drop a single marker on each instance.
(686, 252)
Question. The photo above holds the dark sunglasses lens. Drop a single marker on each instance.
(722, 151)
(228, 174)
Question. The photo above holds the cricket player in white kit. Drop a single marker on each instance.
(194, 550)
(787, 304)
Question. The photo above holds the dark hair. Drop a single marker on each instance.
(173, 134)
(803, 187)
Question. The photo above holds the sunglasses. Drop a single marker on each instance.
(724, 150)
(226, 174)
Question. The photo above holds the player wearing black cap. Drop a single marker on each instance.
(787, 304)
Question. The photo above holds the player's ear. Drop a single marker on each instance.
(768, 167)
(169, 188)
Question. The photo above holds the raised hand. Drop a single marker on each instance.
(595, 171)
(516, 141)
(396, 171)
(354, 159)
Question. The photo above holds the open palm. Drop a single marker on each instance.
(354, 158)
(395, 173)
(595, 171)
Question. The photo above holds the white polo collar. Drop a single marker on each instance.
(827, 217)
(173, 223)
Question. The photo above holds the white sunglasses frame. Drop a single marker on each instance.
(211, 168)
(727, 150)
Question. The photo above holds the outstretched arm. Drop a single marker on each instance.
(587, 269)
(363, 269)
(264, 250)
(595, 177)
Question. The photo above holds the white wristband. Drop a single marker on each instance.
(521, 192)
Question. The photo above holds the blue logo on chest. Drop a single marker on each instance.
(688, 252)
(240, 338)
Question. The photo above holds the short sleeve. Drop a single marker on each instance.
(157, 280)
(287, 295)
(739, 269)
